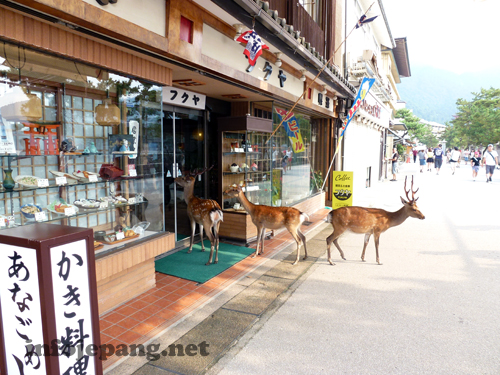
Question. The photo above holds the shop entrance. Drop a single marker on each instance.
(184, 151)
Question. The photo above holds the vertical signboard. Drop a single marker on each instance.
(72, 307)
(21, 310)
(342, 186)
(49, 319)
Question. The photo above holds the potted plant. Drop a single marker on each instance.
(316, 181)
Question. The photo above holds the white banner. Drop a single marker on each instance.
(183, 98)
(21, 310)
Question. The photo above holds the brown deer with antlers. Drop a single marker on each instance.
(272, 218)
(369, 221)
(204, 212)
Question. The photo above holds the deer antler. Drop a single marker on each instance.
(196, 173)
(412, 192)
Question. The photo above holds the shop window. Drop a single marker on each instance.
(186, 30)
(66, 96)
(291, 159)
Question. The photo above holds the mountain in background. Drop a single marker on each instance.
(432, 93)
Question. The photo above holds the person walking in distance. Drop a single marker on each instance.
(421, 158)
(394, 160)
(454, 159)
(490, 159)
(415, 155)
(438, 158)
(430, 159)
(475, 162)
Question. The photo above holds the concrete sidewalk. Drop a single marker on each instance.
(431, 308)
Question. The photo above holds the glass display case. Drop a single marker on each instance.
(245, 160)
(80, 147)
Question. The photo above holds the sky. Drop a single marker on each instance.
(456, 35)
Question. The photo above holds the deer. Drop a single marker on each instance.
(272, 218)
(369, 221)
(204, 212)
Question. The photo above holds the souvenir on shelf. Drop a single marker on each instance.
(110, 171)
(29, 210)
(68, 147)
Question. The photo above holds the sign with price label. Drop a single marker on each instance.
(41, 216)
(103, 205)
(132, 173)
(93, 178)
(61, 181)
(131, 200)
(120, 236)
(70, 211)
(43, 182)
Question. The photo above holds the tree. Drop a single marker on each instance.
(478, 121)
(417, 129)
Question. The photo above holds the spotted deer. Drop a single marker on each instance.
(272, 218)
(369, 221)
(204, 212)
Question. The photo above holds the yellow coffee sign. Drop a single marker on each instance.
(342, 189)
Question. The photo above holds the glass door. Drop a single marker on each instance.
(184, 152)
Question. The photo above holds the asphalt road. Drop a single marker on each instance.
(433, 307)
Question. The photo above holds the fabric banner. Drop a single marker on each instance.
(291, 126)
(362, 92)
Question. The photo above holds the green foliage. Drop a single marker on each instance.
(401, 149)
(416, 129)
(316, 180)
(477, 121)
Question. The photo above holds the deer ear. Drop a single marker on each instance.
(402, 200)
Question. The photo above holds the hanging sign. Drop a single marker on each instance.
(342, 189)
(183, 98)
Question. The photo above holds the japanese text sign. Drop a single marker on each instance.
(183, 98)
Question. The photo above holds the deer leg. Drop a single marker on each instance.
(193, 229)
(201, 238)
(333, 238)
(216, 235)
(263, 237)
(212, 243)
(303, 239)
(376, 237)
(297, 239)
(259, 238)
(367, 238)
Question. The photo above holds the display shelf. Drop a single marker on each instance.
(243, 133)
(82, 212)
(102, 180)
(243, 172)
(242, 153)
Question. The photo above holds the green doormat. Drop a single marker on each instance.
(192, 266)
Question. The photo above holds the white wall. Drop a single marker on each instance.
(362, 150)
(149, 14)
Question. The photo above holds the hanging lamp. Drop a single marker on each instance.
(21, 106)
(107, 113)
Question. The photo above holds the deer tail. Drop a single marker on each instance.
(216, 215)
(303, 217)
(329, 218)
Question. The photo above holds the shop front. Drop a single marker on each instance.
(82, 146)
(365, 144)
